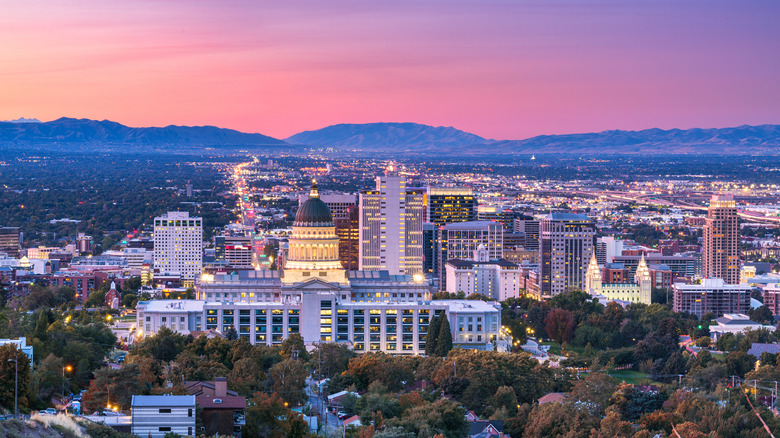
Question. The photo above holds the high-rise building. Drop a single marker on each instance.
(391, 227)
(10, 241)
(348, 231)
(178, 245)
(721, 238)
(338, 203)
(566, 244)
(487, 212)
(460, 240)
(430, 246)
(449, 205)
(529, 226)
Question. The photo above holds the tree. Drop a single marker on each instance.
(762, 315)
(433, 334)
(294, 345)
(444, 338)
(330, 359)
(440, 417)
(559, 325)
(593, 392)
(739, 363)
(268, 416)
(231, 334)
(116, 386)
(163, 346)
(288, 378)
(9, 355)
(613, 427)
(48, 378)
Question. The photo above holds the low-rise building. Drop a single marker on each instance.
(155, 415)
(735, 323)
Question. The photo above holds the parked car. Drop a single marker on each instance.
(50, 411)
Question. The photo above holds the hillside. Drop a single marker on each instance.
(70, 131)
(390, 137)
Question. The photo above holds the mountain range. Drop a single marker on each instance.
(69, 131)
(387, 138)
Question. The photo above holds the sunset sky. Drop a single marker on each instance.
(499, 69)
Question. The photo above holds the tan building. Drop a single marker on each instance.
(721, 239)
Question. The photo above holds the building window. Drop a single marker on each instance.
(165, 411)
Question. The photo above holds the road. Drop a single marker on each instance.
(329, 421)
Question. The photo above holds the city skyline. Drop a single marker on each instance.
(500, 70)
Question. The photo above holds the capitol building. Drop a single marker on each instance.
(313, 295)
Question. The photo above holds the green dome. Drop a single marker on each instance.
(313, 212)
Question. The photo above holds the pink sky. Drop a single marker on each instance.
(499, 69)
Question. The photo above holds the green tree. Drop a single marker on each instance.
(294, 343)
(114, 386)
(10, 358)
(444, 338)
(269, 416)
(440, 417)
(433, 334)
(288, 379)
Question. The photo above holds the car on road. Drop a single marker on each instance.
(50, 411)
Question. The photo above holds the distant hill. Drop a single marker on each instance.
(390, 137)
(75, 131)
(743, 139)
(22, 120)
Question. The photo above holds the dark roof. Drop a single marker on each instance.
(757, 348)
(313, 212)
(477, 427)
(226, 402)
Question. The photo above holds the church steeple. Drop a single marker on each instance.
(593, 276)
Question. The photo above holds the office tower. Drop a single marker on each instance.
(513, 241)
(10, 241)
(496, 213)
(450, 205)
(430, 239)
(338, 203)
(348, 231)
(188, 189)
(497, 278)
(566, 244)
(178, 245)
(460, 240)
(721, 238)
(529, 226)
(391, 218)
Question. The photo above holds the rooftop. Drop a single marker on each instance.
(163, 400)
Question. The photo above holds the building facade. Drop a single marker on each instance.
(391, 227)
(566, 242)
(178, 245)
(449, 205)
(712, 295)
(348, 231)
(497, 279)
(632, 292)
(460, 240)
(156, 415)
(720, 255)
(11, 241)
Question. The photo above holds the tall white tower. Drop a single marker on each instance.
(178, 245)
(644, 280)
(391, 219)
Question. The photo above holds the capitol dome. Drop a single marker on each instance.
(313, 212)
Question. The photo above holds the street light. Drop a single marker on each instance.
(67, 368)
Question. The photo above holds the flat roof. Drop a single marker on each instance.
(163, 400)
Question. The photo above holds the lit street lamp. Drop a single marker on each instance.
(67, 368)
